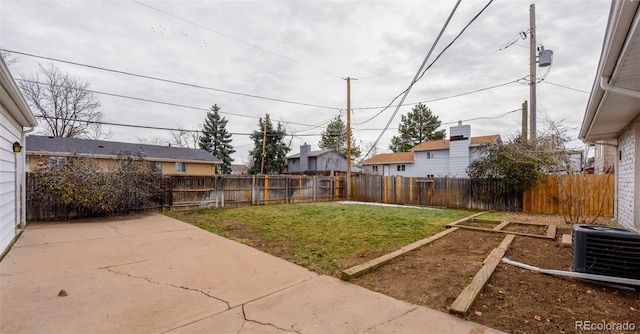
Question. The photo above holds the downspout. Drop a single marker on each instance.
(23, 194)
(604, 84)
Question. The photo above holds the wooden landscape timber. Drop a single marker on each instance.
(466, 298)
(500, 225)
(370, 266)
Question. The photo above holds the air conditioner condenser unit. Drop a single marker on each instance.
(607, 251)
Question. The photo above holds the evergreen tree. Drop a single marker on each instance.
(335, 138)
(275, 149)
(418, 126)
(216, 139)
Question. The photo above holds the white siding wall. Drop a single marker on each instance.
(459, 151)
(10, 197)
(332, 161)
(438, 166)
(628, 204)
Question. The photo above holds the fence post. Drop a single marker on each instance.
(266, 190)
(286, 188)
(315, 188)
(253, 190)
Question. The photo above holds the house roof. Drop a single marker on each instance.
(107, 149)
(311, 154)
(615, 96)
(400, 157)
(13, 100)
(444, 143)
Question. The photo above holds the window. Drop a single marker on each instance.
(181, 167)
(55, 162)
(156, 166)
(431, 155)
(401, 168)
(375, 168)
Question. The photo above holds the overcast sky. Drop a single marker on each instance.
(301, 50)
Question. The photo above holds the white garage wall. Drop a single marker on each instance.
(10, 132)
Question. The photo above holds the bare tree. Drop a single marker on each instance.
(576, 190)
(159, 141)
(65, 103)
(9, 58)
(185, 138)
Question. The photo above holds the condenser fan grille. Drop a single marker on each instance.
(606, 251)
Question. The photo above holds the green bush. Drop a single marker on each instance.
(82, 185)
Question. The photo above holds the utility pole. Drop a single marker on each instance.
(264, 142)
(348, 137)
(525, 125)
(532, 69)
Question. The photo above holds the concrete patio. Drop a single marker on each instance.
(154, 274)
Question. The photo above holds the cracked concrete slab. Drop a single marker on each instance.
(103, 252)
(425, 320)
(231, 321)
(326, 305)
(154, 274)
(97, 301)
(98, 228)
(233, 272)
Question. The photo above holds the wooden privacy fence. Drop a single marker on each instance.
(589, 193)
(189, 192)
(443, 192)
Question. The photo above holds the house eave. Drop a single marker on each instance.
(613, 102)
(13, 100)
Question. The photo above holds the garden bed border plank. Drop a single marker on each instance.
(501, 225)
(371, 265)
(502, 231)
(551, 231)
(466, 298)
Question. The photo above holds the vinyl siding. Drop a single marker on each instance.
(438, 166)
(11, 165)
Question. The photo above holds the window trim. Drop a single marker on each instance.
(181, 170)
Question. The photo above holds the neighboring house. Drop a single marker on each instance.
(447, 157)
(605, 157)
(239, 170)
(15, 116)
(43, 151)
(613, 111)
(315, 162)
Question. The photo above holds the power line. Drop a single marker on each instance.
(567, 87)
(172, 81)
(504, 46)
(455, 122)
(421, 72)
(446, 97)
(415, 77)
(146, 126)
(235, 39)
(419, 76)
(165, 103)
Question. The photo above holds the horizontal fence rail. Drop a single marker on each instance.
(191, 192)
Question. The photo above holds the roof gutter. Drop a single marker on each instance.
(604, 84)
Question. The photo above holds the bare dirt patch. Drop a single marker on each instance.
(526, 228)
(435, 274)
(520, 301)
(514, 300)
(480, 224)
